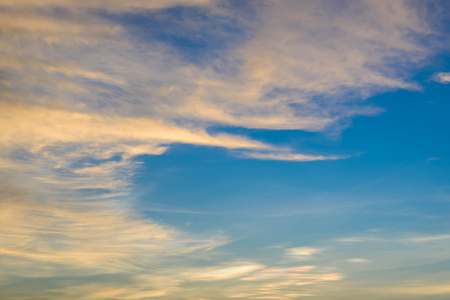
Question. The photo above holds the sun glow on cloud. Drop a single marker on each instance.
(82, 97)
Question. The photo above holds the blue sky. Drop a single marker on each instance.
(203, 150)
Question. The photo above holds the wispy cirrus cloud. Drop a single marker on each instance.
(417, 238)
(106, 4)
(358, 260)
(284, 282)
(280, 88)
(421, 289)
(302, 252)
(285, 156)
(82, 96)
(359, 239)
(427, 238)
(221, 273)
(45, 239)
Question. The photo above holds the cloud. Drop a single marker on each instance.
(358, 239)
(286, 156)
(82, 94)
(286, 86)
(442, 77)
(401, 239)
(302, 252)
(280, 282)
(221, 273)
(358, 260)
(423, 290)
(326, 50)
(176, 210)
(70, 70)
(113, 5)
(63, 126)
(52, 236)
(43, 237)
(427, 238)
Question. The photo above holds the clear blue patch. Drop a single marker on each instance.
(194, 33)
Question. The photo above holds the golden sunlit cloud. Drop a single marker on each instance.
(302, 251)
(212, 274)
(82, 98)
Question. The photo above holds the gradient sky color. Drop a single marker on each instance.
(211, 150)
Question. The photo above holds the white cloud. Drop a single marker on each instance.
(413, 239)
(302, 252)
(442, 77)
(221, 273)
(358, 260)
(286, 156)
(427, 238)
(358, 239)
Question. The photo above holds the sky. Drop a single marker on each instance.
(212, 150)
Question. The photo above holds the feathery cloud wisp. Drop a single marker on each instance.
(82, 95)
